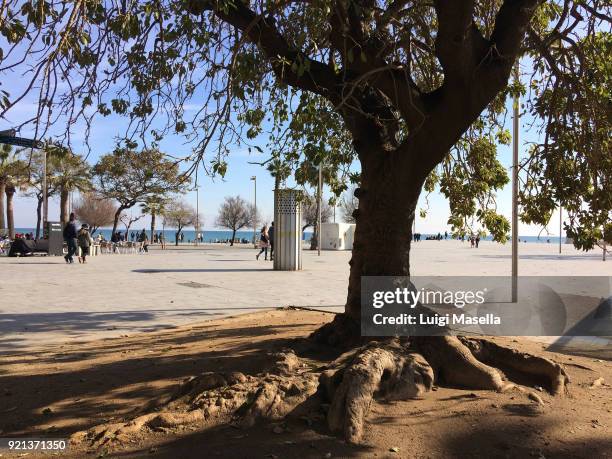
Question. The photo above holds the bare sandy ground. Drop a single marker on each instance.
(57, 391)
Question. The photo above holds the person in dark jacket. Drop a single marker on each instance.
(70, 236)
(85, 240)
(144, 241)
(264, 242)
(271, 237)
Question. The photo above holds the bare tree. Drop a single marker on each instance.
(95, 210)
(234, 214)
(128, 221)
(310, 217)
(348, 205)
(179, 215)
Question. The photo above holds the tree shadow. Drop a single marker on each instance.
(82, 395)
(204, 270)
(536, 438)
(77, 324)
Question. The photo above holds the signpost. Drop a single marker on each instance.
(8, 137)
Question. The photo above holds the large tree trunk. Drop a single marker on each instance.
(314, 240)
(2, 209)
(10, 221)
(116, 220)
(383, 232)
(233, 237)
(38, 216)
(64, 193)
(388, 195)
(152, 226)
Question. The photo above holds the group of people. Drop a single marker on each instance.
(77, 239)
(416, 237)
(474, 241)
(266, 240)
(80, 240)
(141, 237)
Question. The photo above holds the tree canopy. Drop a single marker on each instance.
(130, 177)
(334, 81)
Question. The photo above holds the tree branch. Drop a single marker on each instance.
(317, 77)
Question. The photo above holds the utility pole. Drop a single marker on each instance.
(319, 195)
(515, 148)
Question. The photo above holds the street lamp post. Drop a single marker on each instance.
(560, 225)
(319, 196)
(254, 179)
(8, 137)
(197, 225)
(515, 147)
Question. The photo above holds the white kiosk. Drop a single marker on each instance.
(337, 236)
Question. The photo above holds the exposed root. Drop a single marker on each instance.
(454, 363)
(553, 375)
(386, 370)
(393, 369)
(214, 398)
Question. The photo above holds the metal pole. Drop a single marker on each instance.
(254, 178)
(319, 193)
(44, 193)
(560, 225)
(515, 147)
(197, 235)
(603, 234)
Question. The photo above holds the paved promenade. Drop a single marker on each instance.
(44, 301)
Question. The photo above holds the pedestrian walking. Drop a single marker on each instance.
(264, 242)
(85, 241)
(70, 237)
(144, 241)
(271, 237)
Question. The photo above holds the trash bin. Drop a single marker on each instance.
(56, 238)
(287, 230)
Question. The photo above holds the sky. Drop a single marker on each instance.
(212, 190)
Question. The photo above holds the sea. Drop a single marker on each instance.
(222, 236)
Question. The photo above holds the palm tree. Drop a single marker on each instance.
(13, 174)
(36, 186)
(154, 206)
(69, 172)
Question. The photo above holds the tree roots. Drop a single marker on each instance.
(213, 398)
(549, 374)
(386, 370)
(393, 370)
(389, 370)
